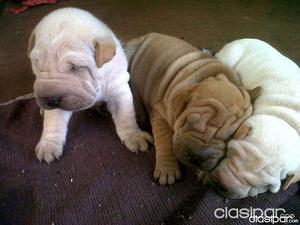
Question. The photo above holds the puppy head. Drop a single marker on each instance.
(212, 112)
(258, 157)
(226, 180)
(65, 68)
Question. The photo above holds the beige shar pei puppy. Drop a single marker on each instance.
(78, 62)
(195, 102)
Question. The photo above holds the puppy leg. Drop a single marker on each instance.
(123, 114)
(167, 167)
(55, 127)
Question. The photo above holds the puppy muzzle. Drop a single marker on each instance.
(192, 151)
(227, 185)
(233, 183)
(65, 94)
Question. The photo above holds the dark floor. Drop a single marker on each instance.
(207, 23)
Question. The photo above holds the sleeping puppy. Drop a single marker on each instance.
(266, 148)
(195, 103)
(79, 62)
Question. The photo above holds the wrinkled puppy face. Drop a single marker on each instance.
(213, 111)
(66, 69)
(226, 177)
(231, 185)
(227, 184)
(257, 160)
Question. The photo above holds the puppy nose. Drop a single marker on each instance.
(53, 101)
(204, 157)
(193, 152)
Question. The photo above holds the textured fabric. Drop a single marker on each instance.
(98, 181)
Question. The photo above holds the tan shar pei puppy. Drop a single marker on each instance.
(195, 103)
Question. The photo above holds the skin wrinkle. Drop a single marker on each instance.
(205, 71)
(181, 119)
(234, 168)
(184, 68)
(264, 171)
(74, 87)
(235, 122)
(245, 95)
(67, 60)
(217, 129)
(277, 111)
(230, 120)
(193, 78)
(280, 100)
(200, 122)
(185, 72)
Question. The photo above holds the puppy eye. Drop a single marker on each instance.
(75, 68)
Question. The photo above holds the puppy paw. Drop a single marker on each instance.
(167, 174)
(48, 150)
(138, 141)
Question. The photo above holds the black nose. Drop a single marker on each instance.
(53, 101)
(193, 152)
(205, 157)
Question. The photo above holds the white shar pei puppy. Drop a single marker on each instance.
(268, 147)
(78, 62)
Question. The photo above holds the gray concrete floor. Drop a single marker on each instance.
(203, 23)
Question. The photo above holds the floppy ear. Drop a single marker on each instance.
(241, 132)
(181, 100)
(291, 178)
(31, 43)
(288, 181)
(254, 93)
(105, 51)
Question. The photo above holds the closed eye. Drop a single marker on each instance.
(76, 68)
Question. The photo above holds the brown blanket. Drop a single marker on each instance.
(99, 182)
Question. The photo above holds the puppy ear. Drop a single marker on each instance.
(292, 178)
(288, 181)
(31, 43)
(105, 51)
(241, 132)
(180, 101)
(254, 93)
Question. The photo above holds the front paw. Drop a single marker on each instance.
(138, 141)
(48, 150)
(167, 174)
